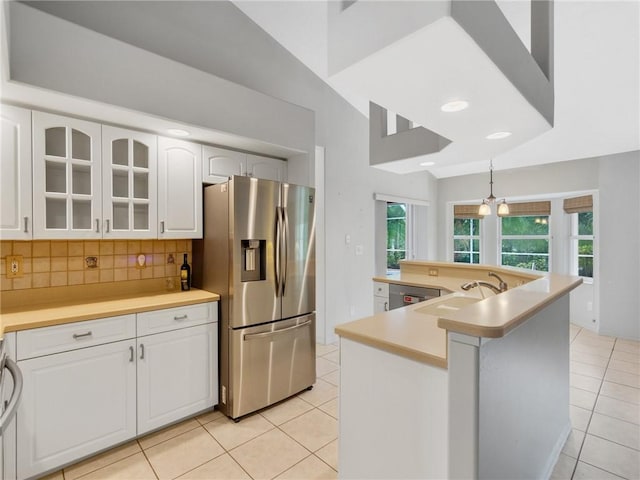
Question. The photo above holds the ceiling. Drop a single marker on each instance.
(597, 76)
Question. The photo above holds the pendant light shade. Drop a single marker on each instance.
(503, 208)
(484, 209)
(485, 206)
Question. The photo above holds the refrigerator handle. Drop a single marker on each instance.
(277, 247)
(285, 243)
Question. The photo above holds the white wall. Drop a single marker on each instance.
(614, 178)
(620, 256)
(217, 38)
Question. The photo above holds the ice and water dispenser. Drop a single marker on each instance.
(253, 260)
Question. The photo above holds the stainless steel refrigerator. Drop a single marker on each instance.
(258, 253)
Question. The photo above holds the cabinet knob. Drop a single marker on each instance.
(142, 351)
(162, 227)
(131, 354)
(97, 225)
(26, 224)
(106, 226)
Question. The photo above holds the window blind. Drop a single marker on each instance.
(578, 204)
(529, 208)
(466, 211)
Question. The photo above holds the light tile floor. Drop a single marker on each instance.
(298, 439)
(604, 408)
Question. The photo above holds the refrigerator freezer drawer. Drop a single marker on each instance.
(270, 363)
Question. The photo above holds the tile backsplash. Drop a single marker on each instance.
(54, 263)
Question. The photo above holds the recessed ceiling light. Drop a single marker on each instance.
(178, 132)
(497, 135)
(454, 106)
(427, 164)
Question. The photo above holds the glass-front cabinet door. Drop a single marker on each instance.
(129, 161)
(66, 181)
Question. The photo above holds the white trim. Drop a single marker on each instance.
(395, 199)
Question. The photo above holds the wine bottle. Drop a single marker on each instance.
(185, 275)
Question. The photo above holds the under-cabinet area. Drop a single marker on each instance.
(93, 384)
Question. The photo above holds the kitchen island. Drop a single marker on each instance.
(460, 386)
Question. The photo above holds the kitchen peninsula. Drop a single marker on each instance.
(460, 386)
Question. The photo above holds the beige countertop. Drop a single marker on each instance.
(423, 337)
(76, 309)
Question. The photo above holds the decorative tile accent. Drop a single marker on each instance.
(58, 263)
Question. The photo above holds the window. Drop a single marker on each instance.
(525, 241)
(581, 211)
(396, 234)
(466, 240)
(582, 239)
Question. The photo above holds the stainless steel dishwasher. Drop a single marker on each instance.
(402, 295)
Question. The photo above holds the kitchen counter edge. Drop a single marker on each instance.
(51, 314)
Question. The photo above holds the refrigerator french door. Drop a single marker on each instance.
(258, 254)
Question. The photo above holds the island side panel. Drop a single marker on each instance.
(524, 396)
(393, 416)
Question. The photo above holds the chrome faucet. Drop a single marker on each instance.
(502, 286)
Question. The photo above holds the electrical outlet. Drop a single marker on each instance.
(433, 272)
(14, 266)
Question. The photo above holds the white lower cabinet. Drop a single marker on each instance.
(91, 385)
(177, 375)
(74, 404)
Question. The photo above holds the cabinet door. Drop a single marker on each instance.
(177, 375)
(218, 164)
(380, 304)
(129, 174)
(15, 165)
(179, 189)
(75, 404)
(267, 168)
(67, 198)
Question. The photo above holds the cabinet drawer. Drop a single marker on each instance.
(71, 336)
(380, 289)
(174, 318)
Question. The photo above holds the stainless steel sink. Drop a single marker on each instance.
(447, 305)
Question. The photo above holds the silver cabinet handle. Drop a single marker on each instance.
(131, 354)
(80, 335)
(386, 306)
(97, 225)
(26, 224)
(11, 406)
(107, 226)
(142, 351)
(255, 336)
(162, 226)
(181, 317)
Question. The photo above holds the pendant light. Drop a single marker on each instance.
(485, 206)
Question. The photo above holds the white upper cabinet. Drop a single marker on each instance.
(179, 189)
(67, 194)
(15, 167)
(129, 182)
(267, 168)
(219, 164)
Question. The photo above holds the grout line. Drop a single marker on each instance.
(149, 462)
(584, 439)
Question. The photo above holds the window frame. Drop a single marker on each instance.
(408, 233)
(574, 239)
(471, 238)
(548, 237)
